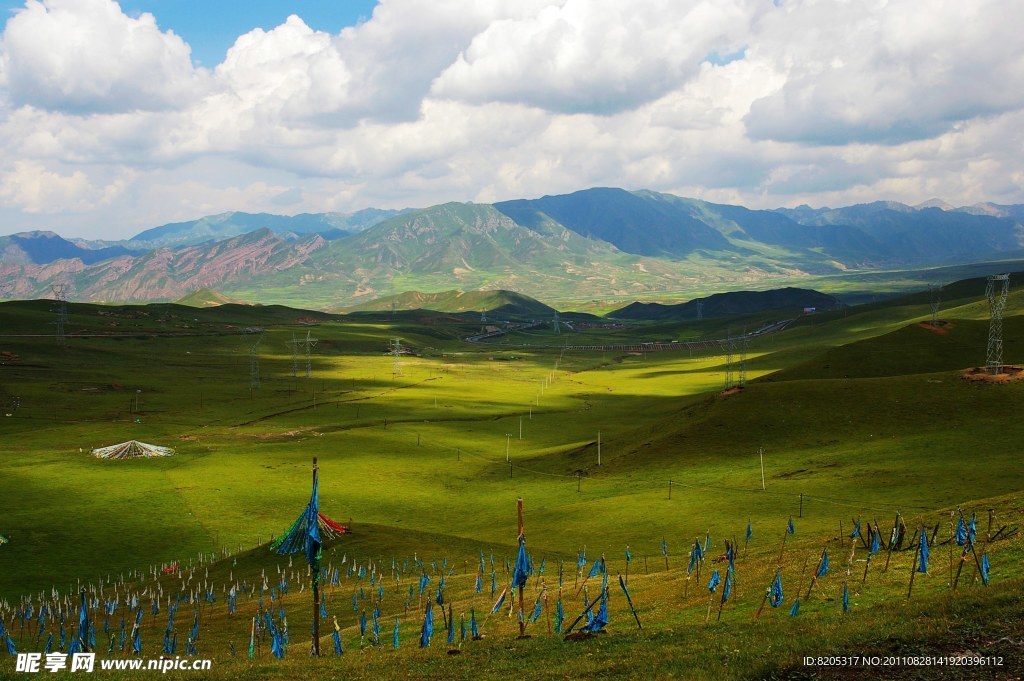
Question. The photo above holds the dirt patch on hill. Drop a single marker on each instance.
(1007, 373)
(938, 326)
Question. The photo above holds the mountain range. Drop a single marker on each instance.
(595, 243)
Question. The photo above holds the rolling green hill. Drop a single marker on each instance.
(860, 413)
(508, 303)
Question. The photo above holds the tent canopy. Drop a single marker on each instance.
(132, 449)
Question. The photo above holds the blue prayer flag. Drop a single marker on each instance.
(304, 534)
(823, 565)
(600, 620)
(598, 568)
(536, 611)
(498, 604)
(796, 607)
(790, 529)
(846, 599)
(775, 595)
(984, 568)
(922, 552)
(394, 635)
(428, 626)
(559, 616)
(715, 581)
(523, 566)
(961, 531)
(750, 530)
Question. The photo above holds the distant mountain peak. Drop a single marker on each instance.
(935, 203)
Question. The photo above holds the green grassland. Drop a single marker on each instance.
(859, 413)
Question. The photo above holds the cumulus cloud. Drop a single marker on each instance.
(87, 56)
(34, 188)
(825, 101)
(884, 72)
(599, 56)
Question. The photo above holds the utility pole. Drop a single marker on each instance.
(760, 453)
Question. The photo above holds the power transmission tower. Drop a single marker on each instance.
(936, 299)
(254, 363)
(396, 353)
(728, 363)
(60, 307)
(307, 344)
(483, 321)
(394, 306)
(700, 310)
(555, 324)
(996, 292)
(294, 344)
(743, 361)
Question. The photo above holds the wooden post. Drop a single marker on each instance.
(892, 543)
(547, 613)
(951, 534)
(760, 451)
(913, 570)
(867, 563)
(814, 577)
(315, 650)
(801, 504)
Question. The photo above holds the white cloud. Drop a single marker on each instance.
(597, 56)
(885, 72)
(825, 101)
(87, 56)
(33, 188)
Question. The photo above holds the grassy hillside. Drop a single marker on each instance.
(859, 414)
(508, 302)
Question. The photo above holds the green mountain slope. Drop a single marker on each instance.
(508, 302)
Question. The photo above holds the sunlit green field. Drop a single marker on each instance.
(856, 414)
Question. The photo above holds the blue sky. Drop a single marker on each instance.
(113, 121)
(211, 26)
